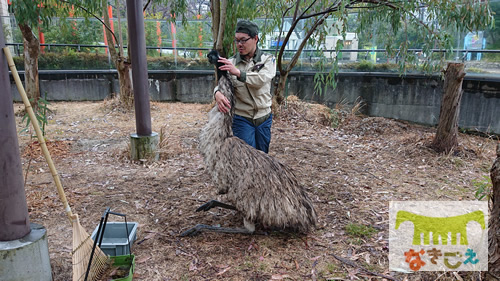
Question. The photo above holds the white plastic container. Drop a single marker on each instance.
(114, 242)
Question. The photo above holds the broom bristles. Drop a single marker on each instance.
(82, 249)
(82, 243)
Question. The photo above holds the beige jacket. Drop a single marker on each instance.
(253, 87)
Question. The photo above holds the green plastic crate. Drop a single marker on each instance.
(126, 260)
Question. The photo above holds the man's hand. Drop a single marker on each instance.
(228, 66)
(222, 102)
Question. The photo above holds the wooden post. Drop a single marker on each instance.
(144, 143)
(14, 220)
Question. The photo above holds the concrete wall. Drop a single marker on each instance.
(415, 98)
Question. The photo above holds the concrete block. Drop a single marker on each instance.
(144, 147)
(26, 258)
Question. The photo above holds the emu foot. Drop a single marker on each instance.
(214, 203)
(203, 227)
(197, 229)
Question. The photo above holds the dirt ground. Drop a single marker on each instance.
(351, 172)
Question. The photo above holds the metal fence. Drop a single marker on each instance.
(461, 54)
(308, 58)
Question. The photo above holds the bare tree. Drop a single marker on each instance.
(471, 15)
(31, 51)
(299, 14)
(218, 9)
(122, 62)
(447, 131)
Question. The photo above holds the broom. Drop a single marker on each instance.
(82, 242)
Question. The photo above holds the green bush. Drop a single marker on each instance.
(365, 65)
(76, 60)
(170, 62)
(490, 57)
(67, 61)
(72, 60)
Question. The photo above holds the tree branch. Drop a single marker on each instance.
(307, 9)
(332, 9)
(295, 12)
(304, 42)
(281, 32)
(146, 6)
(87, 11)
(393, 6)
(289, 33)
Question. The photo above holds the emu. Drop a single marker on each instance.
(257, 185)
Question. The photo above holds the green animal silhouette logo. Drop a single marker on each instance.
(440, 226)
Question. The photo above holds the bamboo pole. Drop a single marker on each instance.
(82, 242)
(38, 131)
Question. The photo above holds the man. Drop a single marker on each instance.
(251, 73)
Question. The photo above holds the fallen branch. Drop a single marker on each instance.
(350, 263)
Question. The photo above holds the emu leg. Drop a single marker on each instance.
(214, 203)
(203, 227)
(249, 229)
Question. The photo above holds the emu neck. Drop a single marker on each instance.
(219, 126)
(227, 89)
(226, 123)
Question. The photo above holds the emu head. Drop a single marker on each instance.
(213, 58)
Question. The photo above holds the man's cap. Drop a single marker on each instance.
(248, 27)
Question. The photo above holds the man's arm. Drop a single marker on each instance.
(258, 78)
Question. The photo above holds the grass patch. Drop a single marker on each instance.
(475, 70)
(483, 188)
(359, 230)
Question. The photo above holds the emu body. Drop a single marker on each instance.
(256, 184)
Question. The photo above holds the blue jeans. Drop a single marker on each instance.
(257, 136)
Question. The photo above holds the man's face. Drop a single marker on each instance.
(245, 43)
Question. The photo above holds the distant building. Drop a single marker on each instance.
(4, 8)
(350, 43)
(5, 20)
(273, 40)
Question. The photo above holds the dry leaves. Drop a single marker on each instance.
(351, 172)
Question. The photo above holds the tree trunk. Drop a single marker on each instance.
(494, 221)
(215, 9)
(122, 64)
(284, 72)
(280, 88)
(31, 52)
(222, 27)
(219, 18)
(124, 76)
(447, 131)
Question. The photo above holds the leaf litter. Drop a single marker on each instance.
(351, 172)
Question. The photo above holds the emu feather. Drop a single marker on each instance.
(261, 188)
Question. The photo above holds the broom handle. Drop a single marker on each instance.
(39, 134)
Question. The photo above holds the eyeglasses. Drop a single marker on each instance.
(242, 41)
